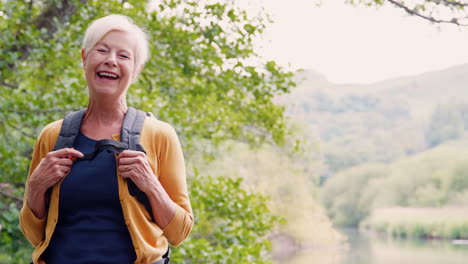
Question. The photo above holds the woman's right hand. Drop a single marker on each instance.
(52, 168)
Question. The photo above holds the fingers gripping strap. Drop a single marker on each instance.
(69, 130)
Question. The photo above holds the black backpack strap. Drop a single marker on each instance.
(131, 128)
(70, 130)
(130, 135)
(166, 255)
(113, 146)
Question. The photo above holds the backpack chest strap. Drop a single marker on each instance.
(113, 146)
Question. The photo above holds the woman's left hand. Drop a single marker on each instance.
(133, 165)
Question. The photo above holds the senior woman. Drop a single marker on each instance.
(81, 211)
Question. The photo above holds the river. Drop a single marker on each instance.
(369, 248)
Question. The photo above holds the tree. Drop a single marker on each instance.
(435, 11)
(203, 76)
(446, 123)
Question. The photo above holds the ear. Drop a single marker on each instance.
(136, 73)
(83, 57)
(139, 70)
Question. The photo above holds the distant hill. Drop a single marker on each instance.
(421, 92)
(383, 121)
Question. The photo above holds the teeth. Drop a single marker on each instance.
(108, 75)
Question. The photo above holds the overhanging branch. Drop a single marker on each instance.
(450, 3)
(415, 12)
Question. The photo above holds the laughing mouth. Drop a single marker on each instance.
(108, 75)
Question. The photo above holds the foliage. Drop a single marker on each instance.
(15, 248)
(231, 224)
(203, 76)
(447, 123)
(345, 197)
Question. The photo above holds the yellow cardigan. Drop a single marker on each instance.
(165, 156)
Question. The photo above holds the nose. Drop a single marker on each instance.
(111, 59)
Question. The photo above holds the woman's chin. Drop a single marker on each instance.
(106, 94)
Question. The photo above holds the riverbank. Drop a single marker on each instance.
(368, 247)
(429, 223)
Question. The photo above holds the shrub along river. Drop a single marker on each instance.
(370, 248)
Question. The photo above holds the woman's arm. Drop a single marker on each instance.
(32, 226)
(172, 176)
(134, 165)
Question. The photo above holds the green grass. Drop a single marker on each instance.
(447, 223)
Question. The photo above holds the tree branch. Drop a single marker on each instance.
(55, 14)
(429, 18)
(39, 111)
(21, 131)
(7, 194)
(450, 3)
(8, 85)
(16, 198)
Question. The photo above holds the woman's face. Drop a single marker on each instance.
(110, 65)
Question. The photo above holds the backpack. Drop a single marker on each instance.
(129, 139)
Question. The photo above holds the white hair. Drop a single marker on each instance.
(100, 27)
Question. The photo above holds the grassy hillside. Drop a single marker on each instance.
(434, 178)
(380, 122)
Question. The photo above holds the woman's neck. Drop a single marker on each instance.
(106, 109)
(103, 119)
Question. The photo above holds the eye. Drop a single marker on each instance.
(101, 50)
(123, 56)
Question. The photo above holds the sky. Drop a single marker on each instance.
(350, 44)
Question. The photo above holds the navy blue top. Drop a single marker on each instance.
(91, 226)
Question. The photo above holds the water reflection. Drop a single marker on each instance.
(368, 248)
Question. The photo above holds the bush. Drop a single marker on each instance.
(14, 248)
(230, 224)
(415, 230)
(347, 197)
(448, 223)
(435, 178)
